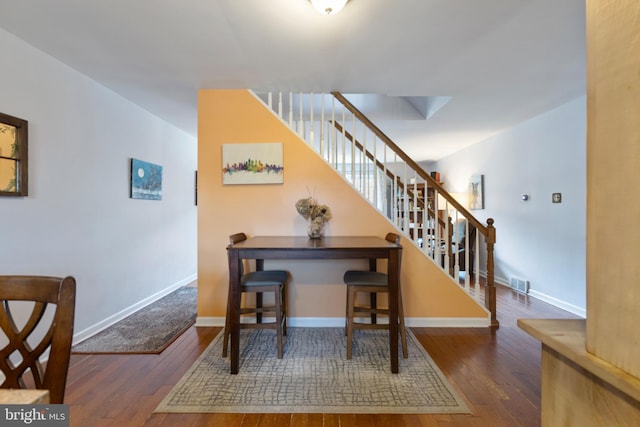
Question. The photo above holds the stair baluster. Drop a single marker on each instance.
(400, 189)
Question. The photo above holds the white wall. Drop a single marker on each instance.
(78, 218)
(537, 240)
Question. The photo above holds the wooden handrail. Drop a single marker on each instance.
(488, 231)
(361, 147)
(432, 182)
(389, 174)
(432, 189)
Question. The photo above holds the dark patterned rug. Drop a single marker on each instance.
(314, 377)
(148, 330)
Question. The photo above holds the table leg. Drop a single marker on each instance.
(373, 297)
(259, 267)
(234, 312)
(393, 275)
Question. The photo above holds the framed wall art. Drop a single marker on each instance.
(253, 163)
(476, 192)
(146, 180)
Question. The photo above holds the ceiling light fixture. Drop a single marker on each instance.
(328, 7)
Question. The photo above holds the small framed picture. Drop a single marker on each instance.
(146, 180)
(476, 192)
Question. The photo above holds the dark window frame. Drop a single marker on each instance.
(21, 157)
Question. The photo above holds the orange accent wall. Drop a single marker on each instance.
(316, 289)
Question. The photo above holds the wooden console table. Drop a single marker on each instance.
(331, 247)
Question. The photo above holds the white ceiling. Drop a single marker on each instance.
(499, 61)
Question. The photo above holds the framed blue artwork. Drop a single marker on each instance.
(146, 180)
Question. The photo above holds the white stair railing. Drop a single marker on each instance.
(394, 184)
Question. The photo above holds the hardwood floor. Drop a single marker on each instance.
(497, 372)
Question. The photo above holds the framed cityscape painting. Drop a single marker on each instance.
(146, 180)
(253, 163)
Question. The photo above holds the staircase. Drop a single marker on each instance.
(426, 214)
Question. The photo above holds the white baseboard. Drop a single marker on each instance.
(209, 322)
(104, 324)
(578, 311)
(501, 281)
(306, 322)
(338, 322)
(316, 322)
(448, 322)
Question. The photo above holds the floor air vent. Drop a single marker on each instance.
(520, 285)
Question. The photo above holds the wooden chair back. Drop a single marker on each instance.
(393, 238)
(461, 241)
(238, 237)
(20, 358)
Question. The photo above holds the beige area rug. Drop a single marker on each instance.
(149, 330)
(314, 377)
